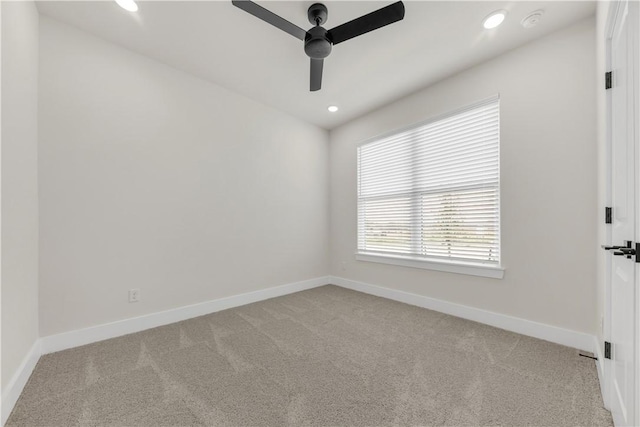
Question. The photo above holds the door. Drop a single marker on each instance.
(623, 273)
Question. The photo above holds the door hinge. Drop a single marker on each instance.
(608, 80)
(607, 350)
(607, 215)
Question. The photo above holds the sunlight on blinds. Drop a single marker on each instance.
(433, 191)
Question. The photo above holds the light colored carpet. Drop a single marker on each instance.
(327, 356)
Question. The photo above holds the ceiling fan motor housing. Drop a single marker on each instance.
(316, 43)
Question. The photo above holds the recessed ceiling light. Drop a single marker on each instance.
(494, 19)
(332, 108)
(129, 5)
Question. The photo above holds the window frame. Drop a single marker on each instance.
(467, 267)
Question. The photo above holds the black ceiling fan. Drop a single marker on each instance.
(318, 41)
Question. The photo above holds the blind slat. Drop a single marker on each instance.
(433, 191)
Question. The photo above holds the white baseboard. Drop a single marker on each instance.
(53, 343)
(566, 337)
(14, 388)
(597, 352)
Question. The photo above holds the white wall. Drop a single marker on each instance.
(548, 172)
(154, 179)
(19, 185)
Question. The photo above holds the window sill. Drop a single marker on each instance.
(451, 267)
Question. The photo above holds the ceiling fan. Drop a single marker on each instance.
(318, 41)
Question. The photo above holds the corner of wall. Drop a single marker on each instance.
(19, 24)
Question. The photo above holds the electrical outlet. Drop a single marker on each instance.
(134, 295)
(344, 265)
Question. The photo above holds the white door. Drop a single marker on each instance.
(623, 282)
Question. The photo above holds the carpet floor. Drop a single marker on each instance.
(327, 357)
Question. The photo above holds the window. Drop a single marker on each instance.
(431, 193)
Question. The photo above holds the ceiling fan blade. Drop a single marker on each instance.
(372, 21)
(316, 74)
(270, 17)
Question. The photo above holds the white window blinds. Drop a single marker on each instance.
(432, 192)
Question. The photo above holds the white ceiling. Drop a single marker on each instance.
(222, 44)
